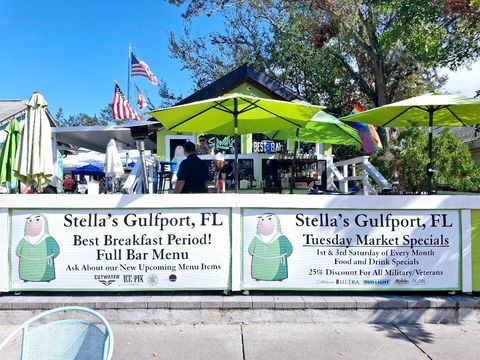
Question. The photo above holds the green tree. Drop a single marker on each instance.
(103, 119)
(408, 157)
(105, 115)
(59, 116)
(375, 51)
(81, 120)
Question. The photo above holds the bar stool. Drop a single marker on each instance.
(165, 175)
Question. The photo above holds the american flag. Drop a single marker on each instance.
(121, 108)
(141, 101)
(139, 68)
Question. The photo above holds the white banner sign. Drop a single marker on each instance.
(351, 249)
(140, 249)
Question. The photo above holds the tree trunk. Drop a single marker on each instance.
(381, 98)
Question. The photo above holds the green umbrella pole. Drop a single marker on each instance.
(295, 149)
(430, 150)
(237, 140)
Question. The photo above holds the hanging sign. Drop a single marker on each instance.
(262, 144)
(136, 249)
(351, 249)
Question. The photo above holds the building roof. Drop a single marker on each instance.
(466, 134)
(244, 73)
(12, 108)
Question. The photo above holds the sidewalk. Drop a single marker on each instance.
(297, 341)
(292, 341)
(273, 326)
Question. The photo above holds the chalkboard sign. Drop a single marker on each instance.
(211, 168)
(245, 168)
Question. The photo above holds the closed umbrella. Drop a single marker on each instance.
(9, 152)
(113, 163)
(322, 128)
(235, 114)
(426, 110)
(34, 162)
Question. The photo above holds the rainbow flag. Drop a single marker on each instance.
(368, 133)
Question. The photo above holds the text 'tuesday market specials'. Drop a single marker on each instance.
(351, 249)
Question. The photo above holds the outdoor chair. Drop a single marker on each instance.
(68, 339)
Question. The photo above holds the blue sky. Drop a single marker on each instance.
(71, 51)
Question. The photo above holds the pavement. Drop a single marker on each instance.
(292, 341)
(275, 326)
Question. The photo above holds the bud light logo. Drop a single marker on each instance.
(376, 282)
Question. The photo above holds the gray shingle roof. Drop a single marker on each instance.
(8, 108)
(464, 133)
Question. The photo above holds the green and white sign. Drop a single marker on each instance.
(120, 249)
(351, 249)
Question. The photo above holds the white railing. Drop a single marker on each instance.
(134, 184)
(348, 173)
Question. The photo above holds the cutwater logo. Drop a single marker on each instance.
(401, 282)
(106, 280)
(376, 282)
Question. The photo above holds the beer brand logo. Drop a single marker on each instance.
(133, 279)
(347, 282)
(401, 282)
(418, 281)
(376, 282)
(106, 280)
(324, 281)
(152, 279)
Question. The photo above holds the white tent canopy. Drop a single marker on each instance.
(96, 138)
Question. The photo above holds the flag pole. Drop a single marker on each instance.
(129, 70)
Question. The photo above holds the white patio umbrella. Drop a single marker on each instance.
(113, 163)
(34, 162)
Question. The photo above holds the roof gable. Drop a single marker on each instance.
(237, 77)
(10, 108)
(13, 108)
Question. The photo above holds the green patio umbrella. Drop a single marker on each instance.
(34, 162)
(426, 110)
(9, 152)
(235, 114)
(322, 128)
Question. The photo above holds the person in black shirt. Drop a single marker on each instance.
(192, 176)
(227, 169)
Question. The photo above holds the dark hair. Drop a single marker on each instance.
(50, 189)
(189, 147)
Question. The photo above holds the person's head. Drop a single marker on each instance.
(50, 189)
(189, 148)
(179, 151)
(202, 140)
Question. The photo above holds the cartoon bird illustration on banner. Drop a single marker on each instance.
(269, 250)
